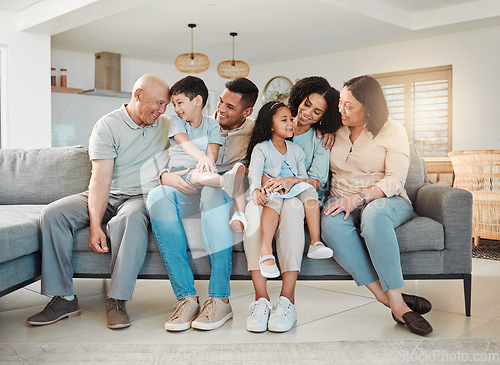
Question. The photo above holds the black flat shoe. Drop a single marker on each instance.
(415, 323)
(417, 304)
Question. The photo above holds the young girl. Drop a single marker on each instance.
(272, 155)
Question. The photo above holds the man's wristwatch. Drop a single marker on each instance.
(362, 197)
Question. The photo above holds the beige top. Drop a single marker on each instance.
(381, 161)
(234, 144)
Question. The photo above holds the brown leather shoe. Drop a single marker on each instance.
(117, 314)
(417, 304)
(415, 323)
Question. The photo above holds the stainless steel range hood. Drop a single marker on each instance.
(108, 76)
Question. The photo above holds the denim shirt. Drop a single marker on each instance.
(266, 159)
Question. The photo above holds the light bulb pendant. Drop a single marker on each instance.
(233, 68)
(192, 62)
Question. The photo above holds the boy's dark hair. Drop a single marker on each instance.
(248, 90)
(331, 120)
(191, 86)
(263, 129)
(368, 92)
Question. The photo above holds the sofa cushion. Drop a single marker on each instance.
(18, 230)
(41, 176)
(19, 270)
(420, 234)
(193, 235)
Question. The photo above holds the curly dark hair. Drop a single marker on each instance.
(331, 120)
(262, 131)
(368, 92)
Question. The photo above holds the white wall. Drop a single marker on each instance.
(74, 115)
(81, 68)
(26, 104)
(475, 58)
(474, 55)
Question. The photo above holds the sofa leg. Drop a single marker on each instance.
(467, 293)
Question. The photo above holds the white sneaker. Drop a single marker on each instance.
(238, 221)
(283, 316)
(319, 251)
(259, 315)
(268, 271)
(232, 180)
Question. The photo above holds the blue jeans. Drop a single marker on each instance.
(377, 258)
(166, 207)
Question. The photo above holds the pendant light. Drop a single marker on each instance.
(233, 68)
(192, 62)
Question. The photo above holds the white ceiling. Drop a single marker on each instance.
(268, 30)
(16, 5)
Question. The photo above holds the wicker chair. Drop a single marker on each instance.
(479, 173)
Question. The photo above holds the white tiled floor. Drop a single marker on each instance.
(327, 311)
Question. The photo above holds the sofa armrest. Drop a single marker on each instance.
(452, 207)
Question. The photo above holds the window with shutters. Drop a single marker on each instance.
(421, 101)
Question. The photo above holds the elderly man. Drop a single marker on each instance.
(127, 150)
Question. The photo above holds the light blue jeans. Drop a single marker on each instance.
(377, 258)
(166, 206)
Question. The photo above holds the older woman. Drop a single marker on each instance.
(313, 103)
(369, 162)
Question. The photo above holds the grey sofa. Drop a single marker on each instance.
(435, 244)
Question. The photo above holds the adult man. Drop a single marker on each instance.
(175, 199)
(127, 149)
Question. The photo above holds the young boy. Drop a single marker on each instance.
(195, 141)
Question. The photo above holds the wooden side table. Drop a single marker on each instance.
(440, 170)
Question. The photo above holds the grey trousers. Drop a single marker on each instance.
(126, 227)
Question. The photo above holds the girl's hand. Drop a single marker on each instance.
(328, 139)
(259, 198)
(279, 185)
(346, 205)
(205, 165)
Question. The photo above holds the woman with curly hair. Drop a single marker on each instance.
(313, 104)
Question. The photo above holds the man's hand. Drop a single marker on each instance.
(328, 139)
(98, 241)
(175, 180)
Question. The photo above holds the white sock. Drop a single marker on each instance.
(69, 297)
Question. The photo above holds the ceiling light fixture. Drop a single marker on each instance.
(233, 68)
(192, 62)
